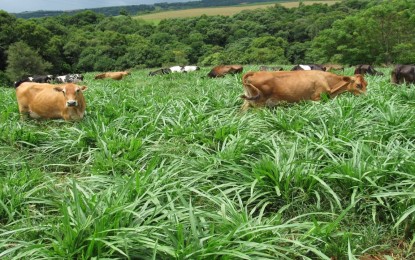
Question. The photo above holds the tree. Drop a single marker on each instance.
(375, 35)
(7, 35)
(23, 61)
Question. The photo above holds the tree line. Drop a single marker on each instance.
(350, 32)
(144, 9)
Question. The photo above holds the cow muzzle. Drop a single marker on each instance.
(71, 103)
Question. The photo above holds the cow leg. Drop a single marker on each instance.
(23, 111)
(245, 105)
(34, 115)
(316, 96)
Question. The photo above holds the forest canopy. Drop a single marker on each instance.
(349, 32)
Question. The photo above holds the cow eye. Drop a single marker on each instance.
(359, 86)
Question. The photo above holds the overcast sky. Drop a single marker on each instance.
(17, 6)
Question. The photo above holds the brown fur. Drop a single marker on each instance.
(265, 88)
(222, 70)
(330, 67)
(41, 100)
(113, 75)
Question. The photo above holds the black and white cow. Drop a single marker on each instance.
(35, 78)
(69, 78)
(309, 67)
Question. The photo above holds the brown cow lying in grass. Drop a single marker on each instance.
(113, 75)
(222, 70)
(265, 88)
(43, 100)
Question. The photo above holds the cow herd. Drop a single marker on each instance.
(68, 78)
(37, 97)
(174, 69)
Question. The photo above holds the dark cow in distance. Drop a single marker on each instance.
(269, 88)
(308, 67)
(367, 69)
(160, 72)
(35, 78)
(222, 70)
(270, 68)
(403, 74)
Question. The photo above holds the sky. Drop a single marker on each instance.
(17, 6)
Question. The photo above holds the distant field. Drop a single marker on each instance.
(229, 10)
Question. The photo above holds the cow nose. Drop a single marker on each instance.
(71, 103)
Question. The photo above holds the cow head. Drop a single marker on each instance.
(72, 93)
(355, 84)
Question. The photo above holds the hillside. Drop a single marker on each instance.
(227, 11)
(155, 8)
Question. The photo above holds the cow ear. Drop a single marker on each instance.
(347, 79)
(83, 88)
(59, 89)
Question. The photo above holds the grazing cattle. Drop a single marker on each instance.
(69, 78)
(267, 68)
(403, 74)
(179, 69)
(35, 78)
(160, 72)
(309, 67)
(266, 88)
(190, 68)
(331, 67)
(222, 70)
(43, 100)
(366, 69)
(41, 78)
(113, 75)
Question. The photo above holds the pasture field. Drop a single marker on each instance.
(227, 10)
(168, 167)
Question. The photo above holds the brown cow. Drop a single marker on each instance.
(222, 70)
(330, 67)
(113, 75)
(42, 100)
(264, 88)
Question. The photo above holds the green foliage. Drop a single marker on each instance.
(7, 35)
(169, 167)
(23, 61)
(348, 32)
(382, 33)
(5, 81)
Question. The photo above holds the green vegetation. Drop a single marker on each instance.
(350, 32)
(168, 167)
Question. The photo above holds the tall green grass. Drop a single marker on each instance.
(168, 167)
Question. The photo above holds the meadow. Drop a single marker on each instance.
(227, 10)
(168, 167)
